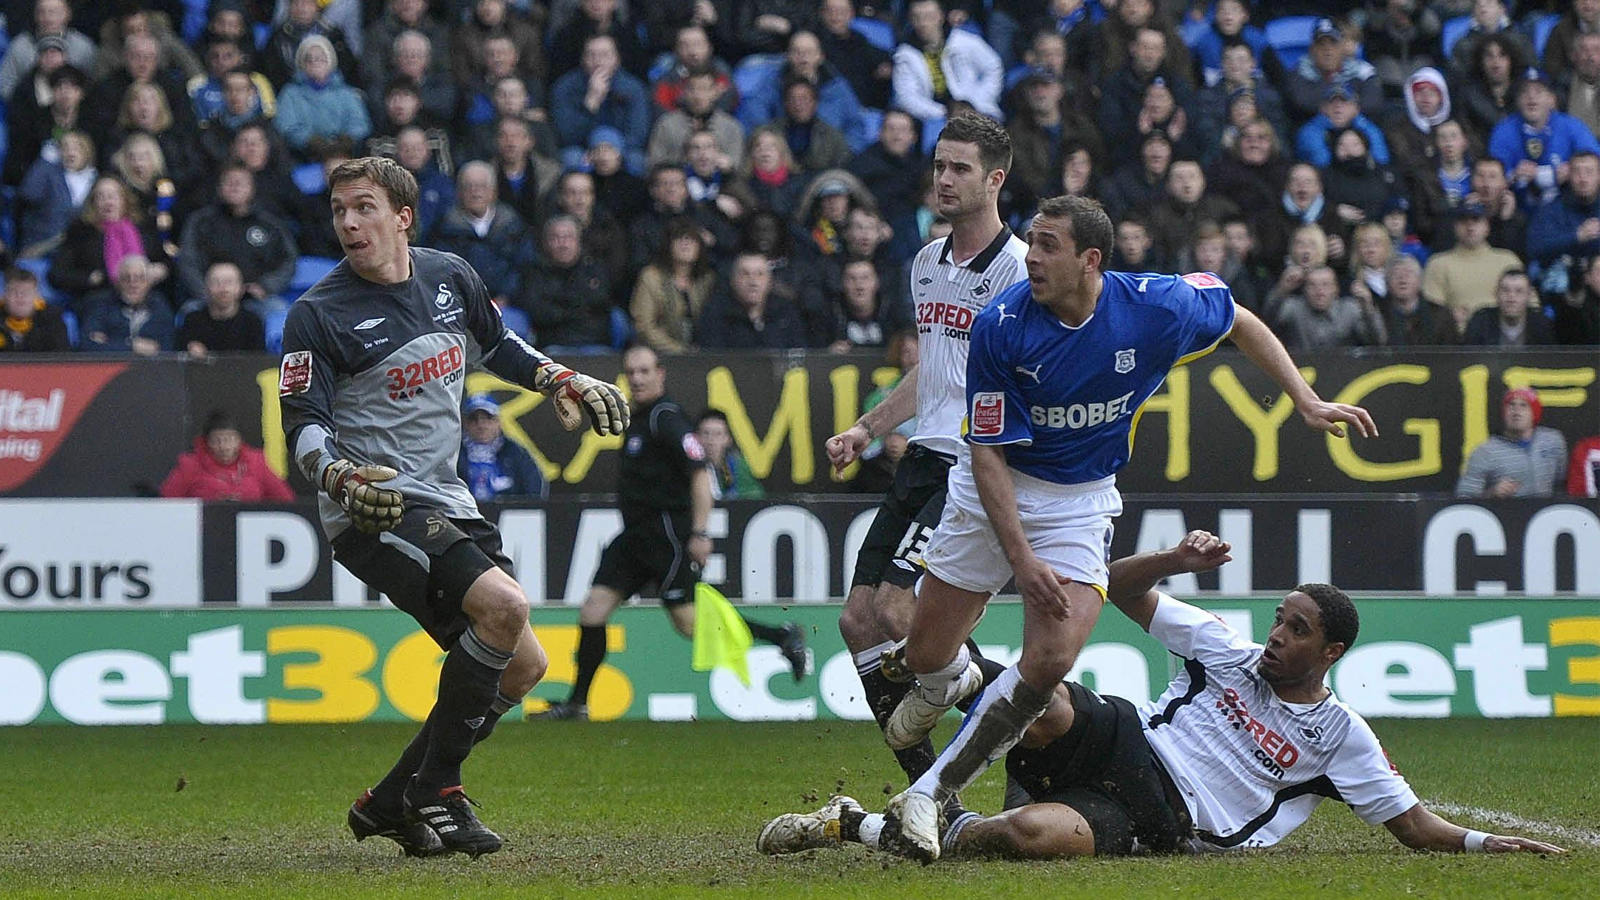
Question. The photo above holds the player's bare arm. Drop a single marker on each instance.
(699, 514)
(1132, 579)
(1040, 586)
(846, 447)
(1252, 335)
(1421, 829)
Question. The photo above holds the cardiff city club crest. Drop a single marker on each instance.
(1124, 363)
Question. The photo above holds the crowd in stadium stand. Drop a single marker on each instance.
(754, 174)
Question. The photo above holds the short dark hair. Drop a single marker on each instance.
(711, 415)
(1517, 272)
(397, 183)
(1582, 154)
(994, 144)
(218, 420)
(17, 273)
(1340, 623)
(1091, 227)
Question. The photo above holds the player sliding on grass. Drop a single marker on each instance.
(375, 356)
(1059, 366)
(1238, 751)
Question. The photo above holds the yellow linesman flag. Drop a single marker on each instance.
(721, 638)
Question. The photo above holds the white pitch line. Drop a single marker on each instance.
(1520, 824)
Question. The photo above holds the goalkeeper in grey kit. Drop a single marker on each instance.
(375, 356)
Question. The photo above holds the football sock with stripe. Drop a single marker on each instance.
(995, 723)
(591, 653)
(883, 696)
(468, 683)
(387, 792)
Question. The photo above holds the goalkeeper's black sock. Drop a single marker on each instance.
(387, 794)
(883, 696)
(501, 705)
(468, 683)
(771, 634)
(591, 653)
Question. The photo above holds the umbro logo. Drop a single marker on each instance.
(924, 281)
(475, 724)
(1034, 374)
(371, 323)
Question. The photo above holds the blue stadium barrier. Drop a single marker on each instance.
(1453, 31)
(1540, 27)
(1290, 37)
(878, 33)
(309, 178)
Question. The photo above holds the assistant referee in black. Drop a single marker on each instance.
(665, 498)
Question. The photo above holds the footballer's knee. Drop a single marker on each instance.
(858, 621)
(598, 605)
(1042, 667)
(498, 609)
(526, 669)
(892, 606)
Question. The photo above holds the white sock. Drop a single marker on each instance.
(993, 725)
(871, 828)
(871, 659)
(939, 687)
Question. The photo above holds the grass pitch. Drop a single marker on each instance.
(638, 810)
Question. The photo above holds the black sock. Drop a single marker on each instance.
(883, 696)
(501, 705)
(468, 683)
(387, 793)
(772, 634)
(850, 824)
(591, 653)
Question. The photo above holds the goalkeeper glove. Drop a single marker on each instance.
(371, 508)
(574, 391)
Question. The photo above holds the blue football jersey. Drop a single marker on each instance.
(1062, 400)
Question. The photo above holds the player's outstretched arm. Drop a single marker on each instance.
(845, 447)
(1133, 578)
(1421, 829)
(1252, 335)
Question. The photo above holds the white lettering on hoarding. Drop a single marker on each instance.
(260, 537)
(1366, 679)
(809, 541)
(1499, 662)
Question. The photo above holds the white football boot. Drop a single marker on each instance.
(918, 713)
(794, 832)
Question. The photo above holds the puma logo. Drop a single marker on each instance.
(1033, 374)
(1005, 315)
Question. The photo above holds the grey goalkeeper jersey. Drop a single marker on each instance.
(374, 373)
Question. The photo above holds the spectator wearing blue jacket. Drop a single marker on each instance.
(493, 467)
(1230, 24)
(132, 317)
(837, 103)
(1339, 111)
(1536, 142)
(317, 103)
(486, 233)
(1570, 224)
(598, 93)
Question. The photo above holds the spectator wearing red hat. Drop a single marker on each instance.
(223, 467)
(1524, 461)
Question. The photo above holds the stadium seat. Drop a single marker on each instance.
(307, 270)
(194, 20)
(1193, 30)
(517, 321)
(273, 319)
(878, 33)
(309, 178)
(621, 328)
(71, 321)
(1290, 37)
(1540, 25)
(754, 76)
(40, 267)
(1452, 32)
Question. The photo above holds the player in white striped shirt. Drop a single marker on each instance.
(1238, 751)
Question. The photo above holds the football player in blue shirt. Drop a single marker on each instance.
(1059, 367)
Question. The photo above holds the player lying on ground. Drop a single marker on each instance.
(1059, 366)
(375, 358)
(1237, 752)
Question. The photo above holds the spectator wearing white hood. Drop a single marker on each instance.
(1411, 145)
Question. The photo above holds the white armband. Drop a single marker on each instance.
(1473, 842)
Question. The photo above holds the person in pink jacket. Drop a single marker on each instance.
(223, 467)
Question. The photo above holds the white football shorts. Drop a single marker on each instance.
(1068, 525)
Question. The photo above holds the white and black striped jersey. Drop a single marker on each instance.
(1251, 767)
(374, 373)
(948, 297)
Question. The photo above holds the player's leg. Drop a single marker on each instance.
(1035, 831)
(620, 575)
(526, 669)
(789, 638)
(936, 650)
